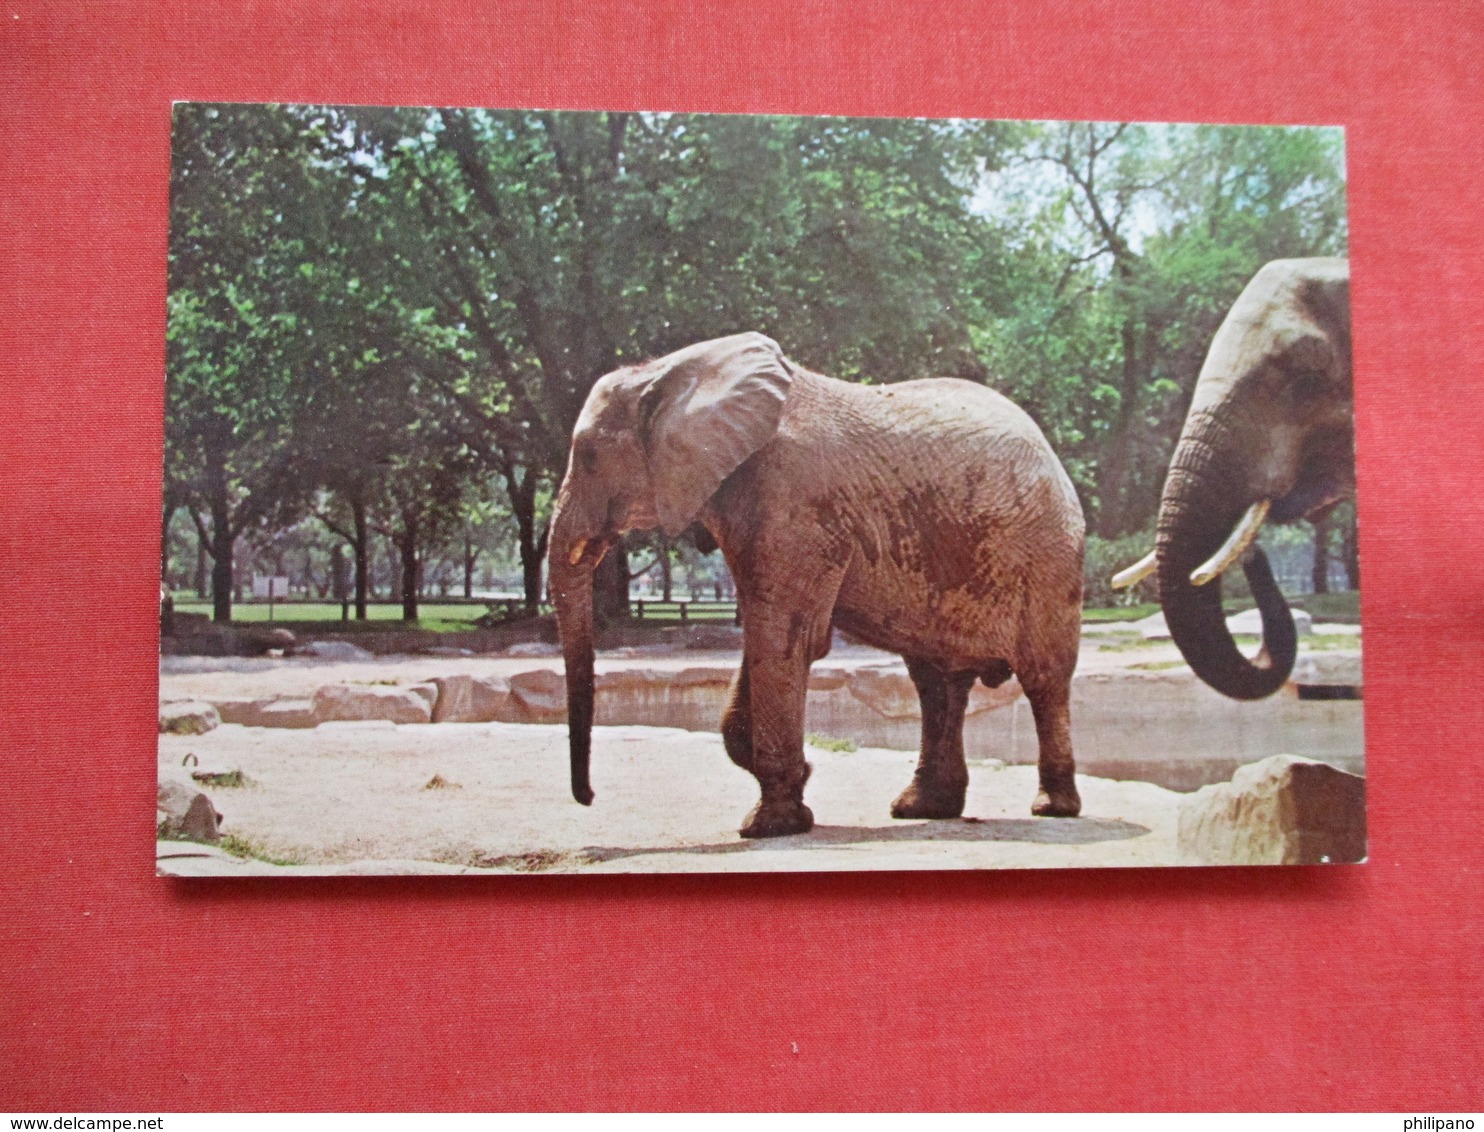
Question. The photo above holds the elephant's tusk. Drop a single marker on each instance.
(1235, 545)
(1131, 575)
(574, 556)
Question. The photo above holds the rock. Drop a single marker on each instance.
(625, 679)
(445, 650)
(472, 699)
(541, 694)
(1151, 628)
(258, 640)
(710, 637)
(285, 713)
(982, 698)
(249, 712)
(1328, 669)
(237, 709)
(889, 691)
(827, 679)
(1283, 810)
(334, 650)
(428, 691)
(534, 648)
(191, 624)
(182, 810)
(370, 701)
(702, 677)
(189, 718)
(1250, 623)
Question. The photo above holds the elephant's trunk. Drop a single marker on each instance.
(572, 593)
(1204, 499)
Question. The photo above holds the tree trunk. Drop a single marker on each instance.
(1351, 552)
(471, 556)
(361, 548)
(221, 537)
(169, 513)
(1320, 576)
(339, 583)
(522, 493)
(410, 580)
(203, 571)
(394, 562)
(665, 575)
(611, 586)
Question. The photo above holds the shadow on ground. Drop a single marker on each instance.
(1044, 831)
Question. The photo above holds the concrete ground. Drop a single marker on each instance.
(457, 797)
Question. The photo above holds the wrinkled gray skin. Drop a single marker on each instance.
(1272, 419)
(929, 518)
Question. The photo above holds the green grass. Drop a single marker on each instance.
(1342, 608)
(240, 846)
(1121, 612)
(1130, 644)
(437, 616)
(830, 743)
(229, 779)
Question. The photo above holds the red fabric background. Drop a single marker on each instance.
(1303, 988)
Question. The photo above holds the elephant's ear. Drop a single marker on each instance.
(710, 407)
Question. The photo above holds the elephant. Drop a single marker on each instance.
(1270, 436)
(929, 518)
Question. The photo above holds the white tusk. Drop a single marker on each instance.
(574, 555)
(1240, 539)
(1131, 575)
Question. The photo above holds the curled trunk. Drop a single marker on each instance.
(1202, 503)
(572, 594)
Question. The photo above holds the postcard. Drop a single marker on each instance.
(585, 492)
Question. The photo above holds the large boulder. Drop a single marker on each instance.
(890, 691)
(334, 650)
(286, 713)
(370, 701)
(1282, 810)
(269, 711)
(541, 694)
(1328, 670)
(183, 811)
(259, 639)
(188, 718)
(472, 699)
(534, 648)
(1249, 622)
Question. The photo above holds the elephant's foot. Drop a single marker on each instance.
(778, 819)
(927, 799)
(1057, 802)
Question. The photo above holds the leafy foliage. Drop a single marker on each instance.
(383, 322)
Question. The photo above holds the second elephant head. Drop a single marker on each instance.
(1269, 438)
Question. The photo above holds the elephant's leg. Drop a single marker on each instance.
(776, 661)
(942, 778)
(1050, 698)
(736, 720)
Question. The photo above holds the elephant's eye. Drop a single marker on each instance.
(587, 458)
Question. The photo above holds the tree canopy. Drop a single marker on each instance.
(383, 322)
